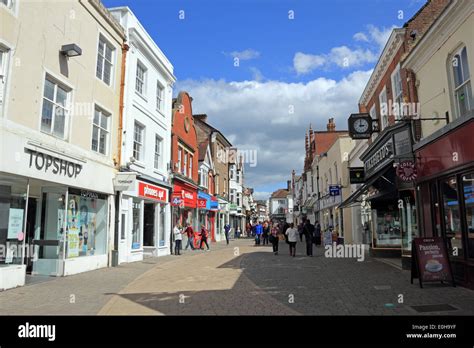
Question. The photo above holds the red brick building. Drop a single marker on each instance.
(184, 162)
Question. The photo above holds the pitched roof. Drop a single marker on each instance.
(281, 193)
(203, 149)
(324, 140)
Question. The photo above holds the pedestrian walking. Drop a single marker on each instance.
(300, 230)
(190, 233)
(317, 234)
(266, 233)
(226, 232)
(178, 237)
(258, 233)
(308, 232)
(292, 234)
(274, 238)
(203, 238)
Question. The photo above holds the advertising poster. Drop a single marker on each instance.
(432, 259)
(15, 223)
(73, 243)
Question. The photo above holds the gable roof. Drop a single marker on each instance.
(281, 193)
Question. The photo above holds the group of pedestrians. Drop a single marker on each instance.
(272, 233)
(178, 232)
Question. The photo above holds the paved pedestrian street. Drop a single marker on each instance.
(237, 279)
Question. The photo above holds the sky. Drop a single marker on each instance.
(263, 70)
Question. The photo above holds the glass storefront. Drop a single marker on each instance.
(468, 189)
(86, 224)
(408, 216)
(452, 214)
(387, 228)
(161, 232)
(136, 223)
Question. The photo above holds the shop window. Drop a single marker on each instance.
(452, 216)
(138, 141)
(105, 58)
(100, 131)
(161, 232)
(55, 111)
(86, 225)
(387, 227)
(140, 80)
(435, 210)
(462, 83)
(468, 189)
(136, 224)
(407, 211)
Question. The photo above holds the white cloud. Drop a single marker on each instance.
(360, 37)
(345, 57)
(271, 117)
(379, 36)
(245, 54)
(341, 56)
(262, 195)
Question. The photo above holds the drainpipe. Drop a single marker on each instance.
(125, 48)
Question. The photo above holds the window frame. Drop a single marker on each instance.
(141, 144)
(455, 89)
(383, 118)
(112, 61)
(142, 66)
(108, 116)
(160, 97)
(157, 163)
(69, 90)
(399, 97)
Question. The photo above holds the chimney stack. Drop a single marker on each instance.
(331, 126)
(288, 185)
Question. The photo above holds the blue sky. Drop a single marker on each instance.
(316, 63)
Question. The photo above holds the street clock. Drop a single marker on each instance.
(360, 126)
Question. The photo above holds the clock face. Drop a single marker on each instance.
(361, 125)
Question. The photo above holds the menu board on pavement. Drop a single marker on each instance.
(430, 261)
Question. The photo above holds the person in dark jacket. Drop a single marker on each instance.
(317, 234)
(266, 232)
(203, 238)
(308, 232)
(226, 232)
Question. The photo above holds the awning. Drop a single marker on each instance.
(352, 199)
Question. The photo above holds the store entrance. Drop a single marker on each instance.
(149, 225)
(30, 232)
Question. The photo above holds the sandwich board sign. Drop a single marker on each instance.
(430, 261)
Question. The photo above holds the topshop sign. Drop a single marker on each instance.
(55, 165)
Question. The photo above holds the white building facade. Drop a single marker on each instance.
(143, 205)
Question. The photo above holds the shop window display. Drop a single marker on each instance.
(387, 228)
(468, 189)
(409, 225)
(161, 232)
(86, 225)
(136, 227)
(452, 216)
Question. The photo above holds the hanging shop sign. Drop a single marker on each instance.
(431, 262)
(125, 181)
(201, 203)
(214, 204)
(379, 158)
(152, 192)
(51, 164)
(334, 190)
(356, 175)
(406, 171)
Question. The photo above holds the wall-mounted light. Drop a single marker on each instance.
(71, 50)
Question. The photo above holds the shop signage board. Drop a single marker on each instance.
(125, 181)
(379, 158)
(356, 175)
(430, 261)
(15, 223)
(201, 203)
(51, 164)
(334, 190)
(153, 192)
(188, 198)
(406, 171)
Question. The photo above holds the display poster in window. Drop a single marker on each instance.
(73, 243)
(15, 223)
(431, 262)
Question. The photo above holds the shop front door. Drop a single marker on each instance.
(149, 225)
(53, 237)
